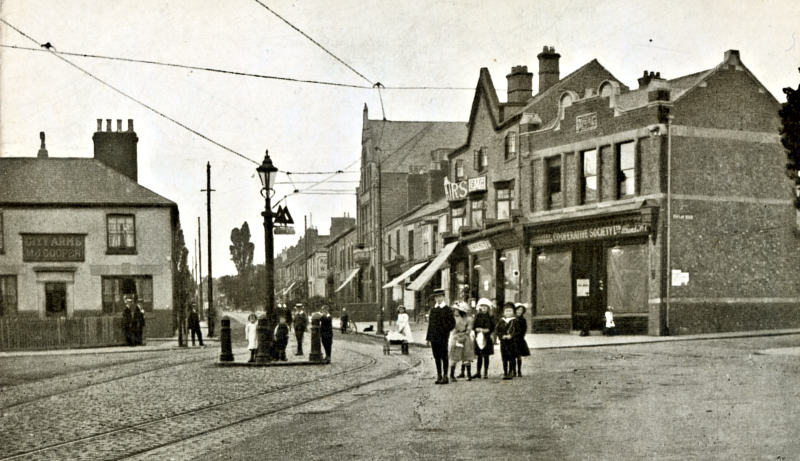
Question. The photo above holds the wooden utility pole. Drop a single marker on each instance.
(212, 315)
(200, 268)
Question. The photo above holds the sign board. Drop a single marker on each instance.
(582, 288)
(586, 122)
(283, 230)
(598, 232)
(480, 245)
(679, 278)
(53, 247)
(282, 216)
(459, 190)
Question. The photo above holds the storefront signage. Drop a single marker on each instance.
(582, 288)
(480, 245)
(679, 278)
(591, 233)
(586, 122)
(53, 247)
(459, 190)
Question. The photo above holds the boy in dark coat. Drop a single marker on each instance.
(505, 330)
(326, 332)
(440, 323)
(281, 338)
(194, 324)
(300, 325)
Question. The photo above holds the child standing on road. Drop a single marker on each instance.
(459, 340)
(483, 327)
(252, 338)
(281, 338)
(610, 329)
(520, 346)
(505, 332)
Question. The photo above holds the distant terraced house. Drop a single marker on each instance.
(76, 236)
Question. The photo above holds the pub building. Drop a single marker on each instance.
(668, 202)
(79, 234)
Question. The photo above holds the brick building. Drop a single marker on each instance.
(76, 234)
(668, 202)
(343, 285)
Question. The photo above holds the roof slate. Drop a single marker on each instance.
(70, 181)
(403, 143)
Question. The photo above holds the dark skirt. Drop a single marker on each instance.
(521, 347)
(488, 348)
(507, 349)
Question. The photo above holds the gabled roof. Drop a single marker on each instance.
(401, 144)
(70, 181)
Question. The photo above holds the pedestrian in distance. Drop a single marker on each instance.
(505, 332)
(483, 326)
(440, 323)
(326, 332)
(610, 328)
(462, 347)
(127, 320)
(138, 326)
(281, 338)
(250, 332)
(300, 321)
(194, 323)
(344, 319)
(520, 329)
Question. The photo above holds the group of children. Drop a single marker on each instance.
(475, 336)
(281, 333)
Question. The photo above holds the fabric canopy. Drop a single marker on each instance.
(397, 280)
(435, 265)
(289, 288)
(348, 279)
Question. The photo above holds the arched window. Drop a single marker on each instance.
(606, 89)
(566, 100)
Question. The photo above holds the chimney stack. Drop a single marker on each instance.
(548, 68)
(117, 149)
(520, 83)
(42, 149)
(647, 77)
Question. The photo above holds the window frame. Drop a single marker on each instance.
(549, 165)
(583, 176)
(459, 170)
(620, 172)
(481, 201)
(2, 235)
(120, 250)
(461, 216)
(118, 306)
(508, 187)
(8, 309)
(511, 145)
(410, 244)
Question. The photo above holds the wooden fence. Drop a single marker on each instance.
(60, 333)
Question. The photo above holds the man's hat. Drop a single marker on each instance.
(439, 291)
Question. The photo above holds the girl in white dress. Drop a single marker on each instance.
(252, 338)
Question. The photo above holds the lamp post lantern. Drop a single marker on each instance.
(266, 173)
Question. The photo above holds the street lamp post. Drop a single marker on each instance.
(266, 173)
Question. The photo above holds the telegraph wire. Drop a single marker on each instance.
(313, 41)
(132, 98)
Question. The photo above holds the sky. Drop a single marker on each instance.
(313, 128)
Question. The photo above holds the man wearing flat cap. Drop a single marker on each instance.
(440, 322)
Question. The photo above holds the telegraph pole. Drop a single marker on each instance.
(200, 267)
(211, 313)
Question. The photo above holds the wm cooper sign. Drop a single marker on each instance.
(459, 190)
(598, 232)
(53, 247)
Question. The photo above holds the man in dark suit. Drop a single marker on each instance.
(440, 322)
(194, 324)
(127, 319)
(300, 326)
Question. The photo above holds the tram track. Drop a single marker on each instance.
(146, 436)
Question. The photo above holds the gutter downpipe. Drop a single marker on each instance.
(669, 219)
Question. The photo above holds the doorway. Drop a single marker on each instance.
(55, 299)
(588, 287)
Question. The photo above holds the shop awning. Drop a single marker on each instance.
(288, 289)
(399, 279)
(435, 265)
(348, 279)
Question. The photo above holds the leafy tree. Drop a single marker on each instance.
(242, 256)
(790, 135)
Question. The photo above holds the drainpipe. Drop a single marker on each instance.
(669, 218)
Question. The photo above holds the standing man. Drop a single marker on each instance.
(138, 326)
(194, 324)
(326, 332)
(300, 326)
(344, 319)
(440, 322)
(127, 320)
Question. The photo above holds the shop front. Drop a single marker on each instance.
(583, 266)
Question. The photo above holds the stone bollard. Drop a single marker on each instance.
(226, 354)
(264, 352)
(316, 343)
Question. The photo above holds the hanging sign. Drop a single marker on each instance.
(480, 245)
(459, 190)
(582, 288)
(282, 217)
(283, 230)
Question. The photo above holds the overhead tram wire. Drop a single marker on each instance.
(132, 98)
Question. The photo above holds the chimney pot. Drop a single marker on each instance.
(42, 149)
(99, 124)
(130, 124)
(520, 84)
(108, 124)
(119, 125)
(548, 68)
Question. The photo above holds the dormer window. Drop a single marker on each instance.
(566, 100)
(606, 89)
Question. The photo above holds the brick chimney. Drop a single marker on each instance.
(520, 83)
(647, 77)
(117, 149)
(548, 68)
(42, 149)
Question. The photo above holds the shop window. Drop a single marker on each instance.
(459, 169)
(121, 234)
(505, 200)
(511, 145)
(626, 170)
(476, 208)
(116, 287)
(554, 183)
(627, 278)
(511, 277)
(8, 295)
(410, 244)
(589, 176)
(55, 299)
(457, 218)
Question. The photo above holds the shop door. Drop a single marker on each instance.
(55, 299)
(588, 285)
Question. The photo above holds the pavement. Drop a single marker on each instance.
(563, 340)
